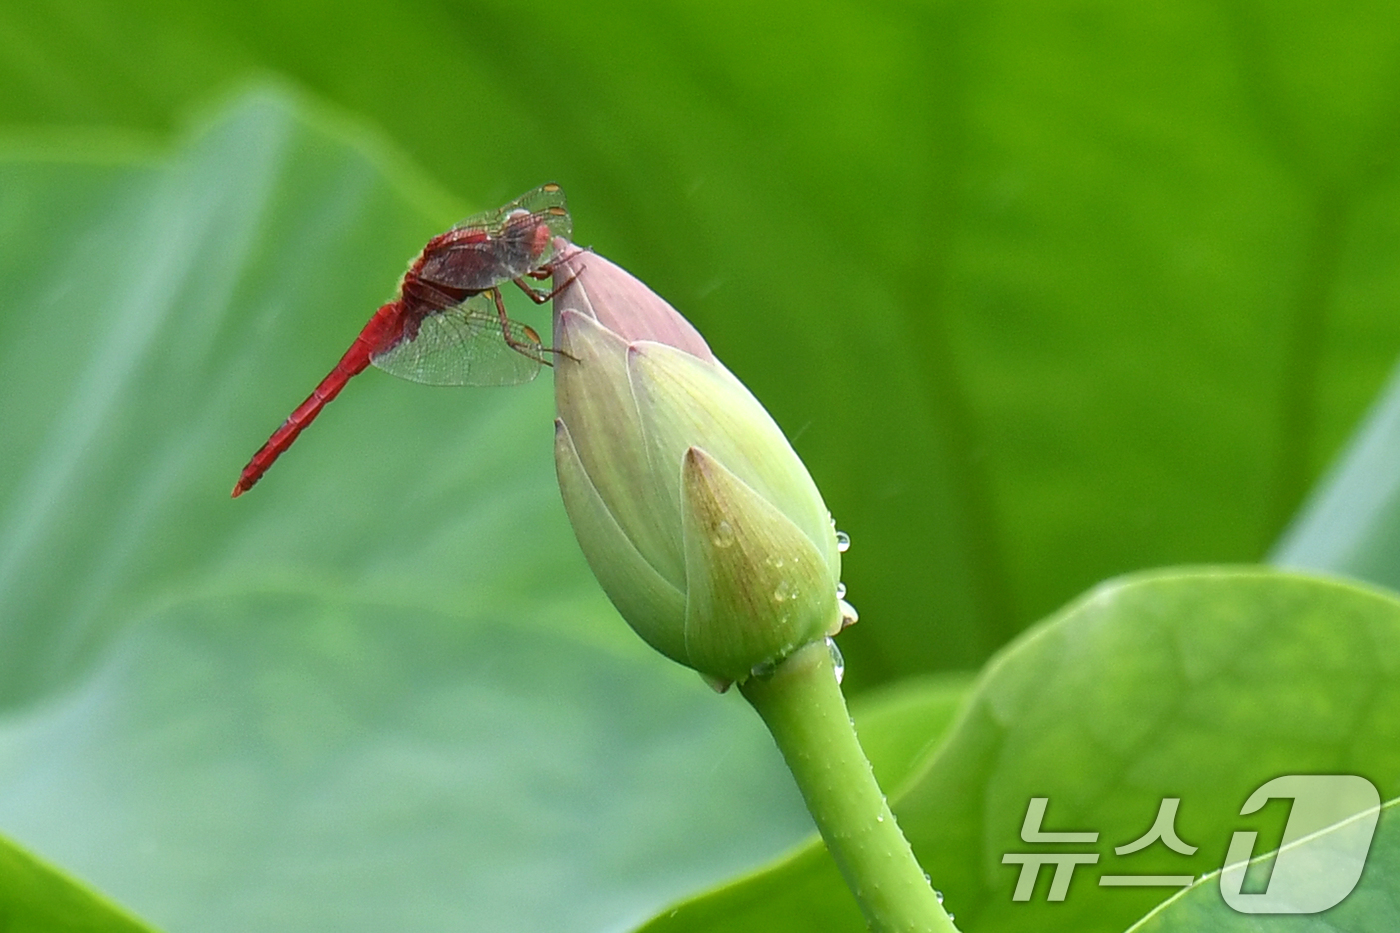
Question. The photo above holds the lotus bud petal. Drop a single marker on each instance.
(698, 519)
(758, 587)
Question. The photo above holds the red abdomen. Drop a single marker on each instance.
(383, 330)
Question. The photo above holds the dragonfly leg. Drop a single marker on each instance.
(543, 272)
(523, 347)
(537, 296)
(540, 297)
(547, 270)
(557, 352)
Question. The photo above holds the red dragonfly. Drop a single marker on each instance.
(448, 323)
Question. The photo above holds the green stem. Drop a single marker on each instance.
(802, 705)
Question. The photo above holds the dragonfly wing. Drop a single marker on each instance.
(464, 345)
(498, 246)
(547, 199)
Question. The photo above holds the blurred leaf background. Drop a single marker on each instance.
(1042, 292)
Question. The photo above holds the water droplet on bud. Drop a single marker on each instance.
(840, 591)
(765, 670)
(724, 535)
(843, 542)
(837, 662)
(849, 616)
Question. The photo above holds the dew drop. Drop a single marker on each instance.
(724, 535)
(849, 616)
(784, 591)
(838, 663)
(936, 893)
(765, 670)
(840, 591)
(843, 542)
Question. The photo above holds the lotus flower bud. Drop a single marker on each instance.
(698, 519)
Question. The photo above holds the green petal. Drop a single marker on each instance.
(653, 607)
(757, 586)
(593, 396)
(683, 401)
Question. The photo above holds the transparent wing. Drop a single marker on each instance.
(546, 201)
(498, 246)
(464, 345)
